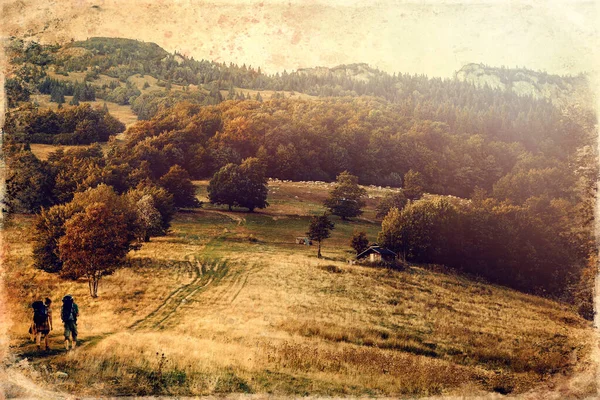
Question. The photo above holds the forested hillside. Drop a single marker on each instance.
(123, 58)
(515, 157)
(191, 216)
(563, 91)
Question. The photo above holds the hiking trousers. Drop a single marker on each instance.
(70, 329)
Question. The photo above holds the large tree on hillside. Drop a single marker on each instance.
(177, 182)
(149, 220)
(222, 188)
(244, 185)
(252, 189)
(320, 229)
(423, 231)
(50, 225)
(94, 244)
(162, 201)
(48, 229)
(346, 198)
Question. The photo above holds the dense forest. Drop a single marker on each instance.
(524, 168)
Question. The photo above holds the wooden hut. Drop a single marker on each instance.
(376, 254)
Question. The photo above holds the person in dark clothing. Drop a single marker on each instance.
(69, 315)
(42, 320)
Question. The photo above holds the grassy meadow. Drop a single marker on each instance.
(226, 302)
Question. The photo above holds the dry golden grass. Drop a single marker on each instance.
(268, 94)
(80, 77)
(227, 303)
(122, 113)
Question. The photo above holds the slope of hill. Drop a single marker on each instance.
(228, 303)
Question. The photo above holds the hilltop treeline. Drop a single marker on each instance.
(460, 104)
(373, 139)
(121, 58)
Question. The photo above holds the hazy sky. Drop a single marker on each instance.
(435, 37)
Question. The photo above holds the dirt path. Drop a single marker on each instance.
(215, 285)
(229, 214)
(227, 291)
(170, 305)
(206, 274)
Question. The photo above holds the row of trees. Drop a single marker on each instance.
(346, 199)
(81, 91)
(81, 124)
(33, 184)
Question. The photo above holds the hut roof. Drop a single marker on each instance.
(376, 249)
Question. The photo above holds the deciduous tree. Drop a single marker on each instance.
(346, 198)
(359, 241)
(413, 185)
(94, 244)
(28, 184)
(177, 182)
(390, 200)
(252, 188)
(320, 229)
(222, 188)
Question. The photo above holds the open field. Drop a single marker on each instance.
(122, 113)
(228, 303)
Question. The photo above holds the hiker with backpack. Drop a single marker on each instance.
(69, 315)
(42, 321)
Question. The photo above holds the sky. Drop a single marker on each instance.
(435, 38)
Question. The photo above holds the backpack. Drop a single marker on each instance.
(40, 312)
(67, 309)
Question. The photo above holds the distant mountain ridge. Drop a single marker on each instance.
(359, 71)
(561, 90)
(121, 58)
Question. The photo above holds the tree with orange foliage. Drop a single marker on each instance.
(95, 242)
